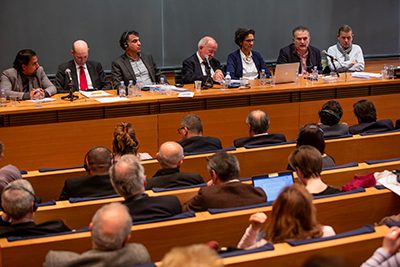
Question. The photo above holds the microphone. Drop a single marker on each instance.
(208, 61)
(68, 72)
(328, 55)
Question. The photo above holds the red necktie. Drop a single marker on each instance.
(82, 79)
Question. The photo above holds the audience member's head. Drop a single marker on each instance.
(8, 174)
(170, 155)
(293, 216)
(127, 176)
(223, 166)
(311, 134)
(365, 111)
(330, 113)
(111, 227)
(241, 34)
(192, 256)
(98, 160)
(18, 200)
(125, 141)
(308, 160)
(191, 125)
(258, 122)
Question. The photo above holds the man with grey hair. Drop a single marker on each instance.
(196, 67)
(258, 123)
(111, 230)
(191, 132)
(170, 157)
(19, 205)
(225, 190)
(129, 181)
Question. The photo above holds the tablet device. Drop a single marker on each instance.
(273, 183)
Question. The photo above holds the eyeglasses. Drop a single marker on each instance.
(249, 40)
(180, 129)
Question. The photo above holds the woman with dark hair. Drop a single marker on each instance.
(329, 118)
(125, 142)
(293, 217)
(244, 62)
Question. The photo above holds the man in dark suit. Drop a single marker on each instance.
(170, 157)
(134, 65)
(258, 123)
(191, 132)
(111, 230)
(19, 205)
(224, 190)
(196, 67)
(97, 163)
(129, 181)
(85, 74)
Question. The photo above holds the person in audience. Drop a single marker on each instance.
(244, 62)
(191, 132)
(170, 157)
(129, 181)
(97, 163)
(110, 230)
(224, 190)
(198, 255)
(126, 142)
(300, 51)
(196, 67)
(258, 123)
(25, 77)
(388, 254)
(350, 56)
(85, 74)
(19, 205)
(293, 217)
(307, 162)
(8, 173)
(329, 118)
(365, 112)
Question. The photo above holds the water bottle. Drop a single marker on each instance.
(263, 77)
(385, 72)
(38, 98)
(228, 79)
(131, 89)
(315, 74)
(3, 99)
(391, 72)
(161, 91)
(297, 78)
(138, 89)
(122, 89)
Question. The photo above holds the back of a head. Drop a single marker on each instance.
(170, 154)
(225, 165)
(311, 134)
(193, 123)
(192, 256)
(99, 158)
(293, 216)
(308, 160)
(111, 226)
(258, 121)
(331, 113)
(127, 176)
(8, 174)
(16, 201)
(365, 111)
(125, 141)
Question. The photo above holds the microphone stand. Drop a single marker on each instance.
(334, 66)
(208, 83)
(70, 96)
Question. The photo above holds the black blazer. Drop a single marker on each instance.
(200, 144)
(32, 229)
(260, 140)
(288, 55)
(372, 127)
(191, 69)
(170, 178)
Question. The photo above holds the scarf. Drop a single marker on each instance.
(344, 52)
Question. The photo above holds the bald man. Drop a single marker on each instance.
(86, 74)
(170, 157)
(196, 68)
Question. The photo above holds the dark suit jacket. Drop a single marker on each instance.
(121, 70)
(227, 195)
(200, 144)
(289, 55)
(87, 186)
(169, 178)
(143, 208)
(97, 75)
(260, 140)
(191, 69)
(32, 229)
(235, 66)
(372, 127)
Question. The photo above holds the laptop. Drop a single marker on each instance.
(284, 73)
(273, 183)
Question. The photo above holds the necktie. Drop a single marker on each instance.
(82, 79)
(207, 69)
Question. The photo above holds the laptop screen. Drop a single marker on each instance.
(272, 184)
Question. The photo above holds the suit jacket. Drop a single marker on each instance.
(143, 208)
(130, 255)
(32, 229)
(97, 75)
(169, 178)
(191, 69)
(200, 144)
(235, 67)
(372, 127)
(228, 195)
(334, 130)
(11, 82)
(87, 186)
(289, 55)
(121, 70)
(260, 140)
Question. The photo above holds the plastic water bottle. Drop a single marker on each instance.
(3, 99)
(391, 72)
(315, 74)
(228, 79)
(161, 91)
(385, 72)
(297, 78)
(131, 89)
(38, 98)
(138, 89)
(263, 77)
(122, 89)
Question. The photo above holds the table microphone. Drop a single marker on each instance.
(328, 55)
(68, 72)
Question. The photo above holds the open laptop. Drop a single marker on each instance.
(273, 183)
(284, 73)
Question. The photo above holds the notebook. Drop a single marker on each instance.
(284, 73)
(273, 183)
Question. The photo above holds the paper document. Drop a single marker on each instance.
(186, 95)
(112, 99)
(366, 75)
(390, 182)
(94, 94)
(44, 100)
